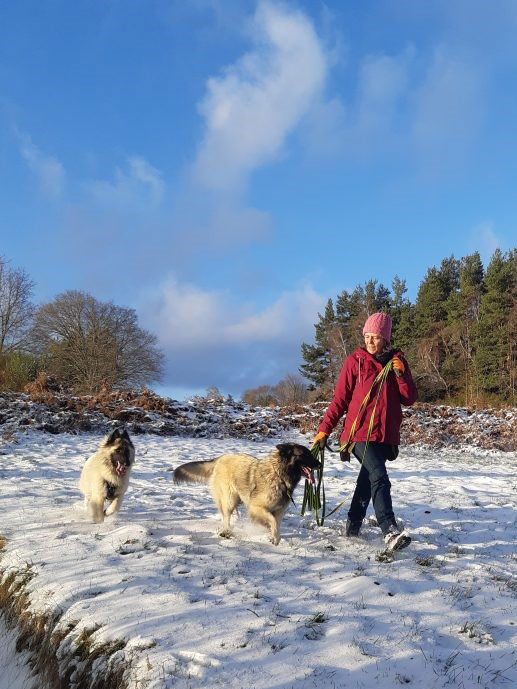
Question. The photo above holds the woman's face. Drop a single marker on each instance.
(374, 344)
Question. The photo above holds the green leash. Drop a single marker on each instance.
(314, 494)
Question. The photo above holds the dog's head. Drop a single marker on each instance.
(121, 451)
(299, 460)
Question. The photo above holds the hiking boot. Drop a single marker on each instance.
(352, 528)
(395, 539)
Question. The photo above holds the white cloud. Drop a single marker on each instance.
(185, 316)
(448, 107)
(361, 127)
(257, 103)
(428, 105)
(249, 110)
(140, 185)
(216, 221)
(486, 241)
(49, 171)
(211, 338)
(383, 80)
(290, 317)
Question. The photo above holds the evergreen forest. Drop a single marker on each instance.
(459, 335)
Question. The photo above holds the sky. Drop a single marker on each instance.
(226, 166)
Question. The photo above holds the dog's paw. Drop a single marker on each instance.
(225, 533)
(275, 540)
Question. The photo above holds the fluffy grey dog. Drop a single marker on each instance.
(265, 486)
(105, 476)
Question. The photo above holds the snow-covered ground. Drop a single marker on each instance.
(14, 669)
(318, 610)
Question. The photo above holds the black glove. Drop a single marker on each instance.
(344, 455)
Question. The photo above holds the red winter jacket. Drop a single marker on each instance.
(355, 380)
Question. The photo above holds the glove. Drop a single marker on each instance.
(398, 366)
(320, 439)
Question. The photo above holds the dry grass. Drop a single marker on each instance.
(45, 390)
(42, 389)
(42, 635)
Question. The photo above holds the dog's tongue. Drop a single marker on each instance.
(308, 473)
(120, 469)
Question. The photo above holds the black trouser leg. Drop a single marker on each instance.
(361, 497)
(373, 482)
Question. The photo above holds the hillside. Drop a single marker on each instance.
(54, 412)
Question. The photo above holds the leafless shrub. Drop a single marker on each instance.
(213, 394)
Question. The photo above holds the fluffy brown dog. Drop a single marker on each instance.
(264, 486)
(105, 476)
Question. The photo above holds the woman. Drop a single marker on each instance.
(354, 383)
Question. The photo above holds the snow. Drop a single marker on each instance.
(318, 610)
(14, 669)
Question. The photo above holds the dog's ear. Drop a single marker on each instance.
(285, 450)
(125, 435)
(112, 437)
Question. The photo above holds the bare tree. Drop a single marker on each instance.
(90, 344)
(262, 396)
(291, 390)
(16, 309)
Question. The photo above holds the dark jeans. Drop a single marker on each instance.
(372, 484)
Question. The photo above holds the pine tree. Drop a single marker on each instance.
(430, 310)
(318, 357)
(463, 316)
(350, 317)
(376, 298)
(433, 295)
(450, 275)
(512, 344)
(434, 356)
(493, 332)
(403, 316)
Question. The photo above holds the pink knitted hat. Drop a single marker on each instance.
(379, 324)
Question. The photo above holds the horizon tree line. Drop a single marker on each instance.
(458, 335)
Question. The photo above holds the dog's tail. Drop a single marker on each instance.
(198, 472)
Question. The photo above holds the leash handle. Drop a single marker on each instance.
(314, 496)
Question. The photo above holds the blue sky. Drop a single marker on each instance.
(225, 166)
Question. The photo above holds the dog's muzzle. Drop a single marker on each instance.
(120, 469)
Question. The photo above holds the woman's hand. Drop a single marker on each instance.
(320, 439)
(398, 366)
